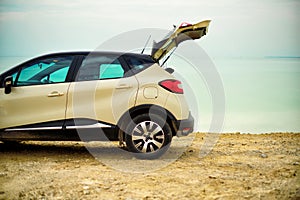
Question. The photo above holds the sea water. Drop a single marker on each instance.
(261, 94)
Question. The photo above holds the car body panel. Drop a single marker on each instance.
(177, 105)
(150, 79)
(33, 104)
(104, 100)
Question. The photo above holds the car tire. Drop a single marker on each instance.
(148, 136)
(11, 142)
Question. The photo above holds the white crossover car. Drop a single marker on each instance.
(130, 97)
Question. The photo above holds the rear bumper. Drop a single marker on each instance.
(185, 127)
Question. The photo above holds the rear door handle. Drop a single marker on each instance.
(124, 86)
(55, 94)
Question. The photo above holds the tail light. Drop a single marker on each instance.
(172, 86)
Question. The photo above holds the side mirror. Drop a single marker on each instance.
(8, 82)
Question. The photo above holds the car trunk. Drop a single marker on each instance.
(184, 32)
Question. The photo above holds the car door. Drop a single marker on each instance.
(39, 94)
(102, 90)
(184, 32)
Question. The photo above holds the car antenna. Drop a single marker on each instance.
(168, 56)
(146, 44)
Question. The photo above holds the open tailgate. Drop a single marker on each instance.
(184, 32)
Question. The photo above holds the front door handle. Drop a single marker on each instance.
(55, 94)
(124, 86)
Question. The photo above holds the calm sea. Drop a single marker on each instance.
(262, 95)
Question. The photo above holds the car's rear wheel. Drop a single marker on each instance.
(148, 136)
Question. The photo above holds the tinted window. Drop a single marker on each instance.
(58, 76)
(45, 71)
(14, 76)
(100, 67)
(139, 63)
(111, 71)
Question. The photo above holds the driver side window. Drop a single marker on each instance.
(45, 71)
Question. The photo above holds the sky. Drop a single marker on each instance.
(239, 28)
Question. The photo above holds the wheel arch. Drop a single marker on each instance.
(145, 108)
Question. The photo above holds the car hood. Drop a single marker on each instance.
(184, 32)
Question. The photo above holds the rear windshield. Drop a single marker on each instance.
(138, 63)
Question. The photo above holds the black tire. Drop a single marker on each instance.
(148, 137)
(11, 142)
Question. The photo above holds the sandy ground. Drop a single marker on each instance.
(240, 166)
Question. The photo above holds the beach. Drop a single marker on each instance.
(239, 166)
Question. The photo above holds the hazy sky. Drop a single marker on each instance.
(239, 28)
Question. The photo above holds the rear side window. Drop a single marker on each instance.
(111, 71)
(99, 68)
(138, 63)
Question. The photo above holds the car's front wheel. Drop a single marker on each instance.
(148, 136)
